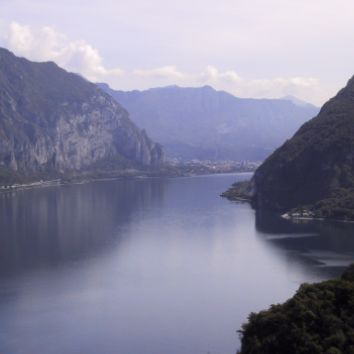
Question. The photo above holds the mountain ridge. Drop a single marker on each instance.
(54, 122)
(203, 123)
(311, 174)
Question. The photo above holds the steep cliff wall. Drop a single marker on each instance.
(52, 121)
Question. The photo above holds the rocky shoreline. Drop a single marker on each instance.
(86, 177)
(333, 208)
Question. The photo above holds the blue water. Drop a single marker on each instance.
(149, 266)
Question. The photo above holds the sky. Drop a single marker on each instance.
(254, 48)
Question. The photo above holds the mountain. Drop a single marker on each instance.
(312, 174)
(318, 319)
(54, 122)
(296, 101)
(202, 123)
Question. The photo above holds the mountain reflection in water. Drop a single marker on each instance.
(149, 266)
(325, 247)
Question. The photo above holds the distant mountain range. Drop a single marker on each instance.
(312, 174)
(53, 122)
(202, 123)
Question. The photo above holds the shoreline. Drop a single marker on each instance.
(287, 215)
(32, 185)
(236, 199)
(290, 217)
(4, 189)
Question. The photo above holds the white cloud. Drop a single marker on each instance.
(166, 72)
(302, 87)
(212, 74)
(46, 43)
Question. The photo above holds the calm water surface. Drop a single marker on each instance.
(149, 266)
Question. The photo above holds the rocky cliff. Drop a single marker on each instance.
(55, 122)
(314, 170)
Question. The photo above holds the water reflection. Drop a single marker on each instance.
(149, 266)
(44, 227)
(324, 247)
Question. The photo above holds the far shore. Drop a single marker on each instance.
(124, 174)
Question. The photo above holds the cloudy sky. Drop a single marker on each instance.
(253, 48)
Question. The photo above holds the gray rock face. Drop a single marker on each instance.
(52, 121)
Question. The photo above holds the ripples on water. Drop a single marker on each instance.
(149, 266)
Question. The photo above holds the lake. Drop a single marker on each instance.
(149, 266)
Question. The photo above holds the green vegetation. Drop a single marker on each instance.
(314, 170)
(340, 205)
(239, 191)
(319, 319)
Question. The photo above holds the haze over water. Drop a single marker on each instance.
(150, 266)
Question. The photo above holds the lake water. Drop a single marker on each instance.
(149, 266)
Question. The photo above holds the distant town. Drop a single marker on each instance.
(198, 167)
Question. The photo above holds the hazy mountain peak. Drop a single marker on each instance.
(296, 101)
(203, 123)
